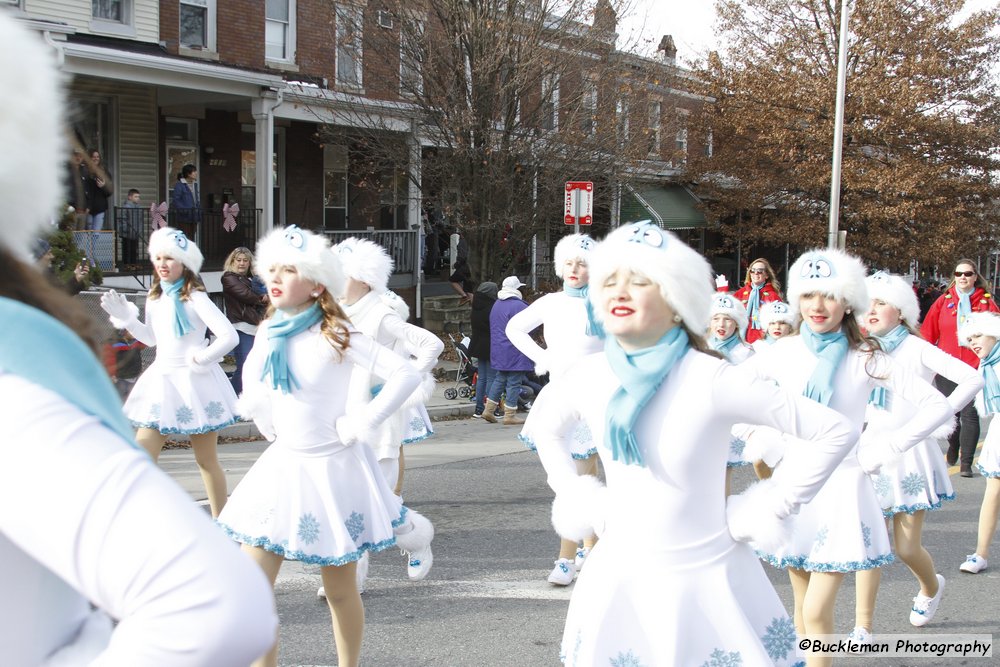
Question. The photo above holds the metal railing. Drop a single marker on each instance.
(403, 247)
(132, 227)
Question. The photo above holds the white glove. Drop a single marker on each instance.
(580, 508)
(754, 517)
(198, 362)
(120, 310)
(721, 282)
(256, 405)
(873, 456)
(353, 429)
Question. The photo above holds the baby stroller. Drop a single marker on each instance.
(465, 375)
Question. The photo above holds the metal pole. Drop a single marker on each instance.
(577, 203)
(838, 128)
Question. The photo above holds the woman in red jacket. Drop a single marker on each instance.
(968, 293)
(761, 287)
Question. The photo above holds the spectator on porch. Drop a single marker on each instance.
(130, 227)
(99, 188)
(185, 202)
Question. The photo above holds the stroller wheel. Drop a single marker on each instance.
(465, 392)
(451, 393)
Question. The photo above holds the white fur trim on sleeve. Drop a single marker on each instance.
(753, 517)
(579, 510)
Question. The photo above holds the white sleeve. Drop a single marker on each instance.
(422, 344)
(828, 433)
(520, 327)
(967, 379)
(401, 378)
(932, 408)
(106, 520)
(225, 334)
(142, 331)
(553, 421)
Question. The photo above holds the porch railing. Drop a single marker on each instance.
(403, 247)
(132, 227)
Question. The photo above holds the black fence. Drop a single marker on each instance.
(132, 227)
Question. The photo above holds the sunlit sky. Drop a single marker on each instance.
(690, 22)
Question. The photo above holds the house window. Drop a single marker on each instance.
(335, 161)
(411, 58)
(682, 145)
(108, 10)
(654, 128)
(550, 102)
(113, 17)
(588, 111)
(279, 30)
(622, 111)
(709, 148)
(349, 33)
(197, 18)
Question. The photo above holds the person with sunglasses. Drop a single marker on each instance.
(968, 293)
(760, 286)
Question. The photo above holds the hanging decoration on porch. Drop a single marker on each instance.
(229, 214)
(157, 215)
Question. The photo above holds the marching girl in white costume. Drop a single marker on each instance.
(919, 480)
(316, 495)
(660, 408)
(841, 529)
(184, 390)
(778, 321)
(726, 332)
(980, 332)
(569, 336)
(85, 517)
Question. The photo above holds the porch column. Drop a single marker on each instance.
(414, 169)
(262, 109)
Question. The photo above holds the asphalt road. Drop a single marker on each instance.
(487, 603)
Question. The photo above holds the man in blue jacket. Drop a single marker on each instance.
(509, 363)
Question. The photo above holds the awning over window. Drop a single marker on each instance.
(671, 206)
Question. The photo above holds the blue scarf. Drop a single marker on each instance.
(282, 328)
(964, 308)
(829, 349)
(44, 351)
(724, 345)
(991, 388)
(641, 374)
(889, 341)
(594, 327)
(753, 305)
(182, 325)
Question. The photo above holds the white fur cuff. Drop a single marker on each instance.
(419, 537)
(580, 508)
(875, 455)
(353, 429)
(765, 444)
(944, 431)
(753, 518)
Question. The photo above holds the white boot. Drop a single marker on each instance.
(416, 543)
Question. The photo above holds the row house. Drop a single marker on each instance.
(158, 84)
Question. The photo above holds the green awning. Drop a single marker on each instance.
(670, 206)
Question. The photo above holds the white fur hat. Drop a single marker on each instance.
(987, 324)
(31, 132)
(396, 302)
(366, 262)
(684, 276)
(829, 271)
(777, 311)
(897, 293)
(173, 243)
(573, 246)
(725, 304)
(307, 251)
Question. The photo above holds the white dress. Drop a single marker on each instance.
(919, 481)
(309, 497)
(175, 395)
(695, 595)
(989, 456)
(85, 517)
(842, 529)
(379, 321)
(737, 439)
(564, 319)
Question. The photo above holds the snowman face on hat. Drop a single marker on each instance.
(816, 267)
(647, 233)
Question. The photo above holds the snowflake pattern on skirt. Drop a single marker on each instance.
(626, 660)
(913, 484)
(779, 638)
(308, 528)
(355, 525)
(154, 411)
(736, 446)
(883, 487)
(821, 536)
(720, 658)
(184, 414)
(866, 533)
(214, 410)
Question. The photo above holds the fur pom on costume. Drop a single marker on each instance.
(829, 271)
(309, 253)
(765, 444)
(725, 304)
(897, 293)
(421, 535)
(422, 393)
(571, 246)
(32, 132)
(580, 508)
(986, 324)
(683, 275)
(173, 243)
(365, 261)
(753, 518)
(944, 431)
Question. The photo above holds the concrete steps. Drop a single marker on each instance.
(443, 314)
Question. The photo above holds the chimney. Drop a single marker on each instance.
(605, 18)
(668, 48)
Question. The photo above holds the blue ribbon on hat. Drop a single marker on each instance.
(281, 329)
(68, 367)
(182, 325)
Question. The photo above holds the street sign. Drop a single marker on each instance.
(579, 203)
